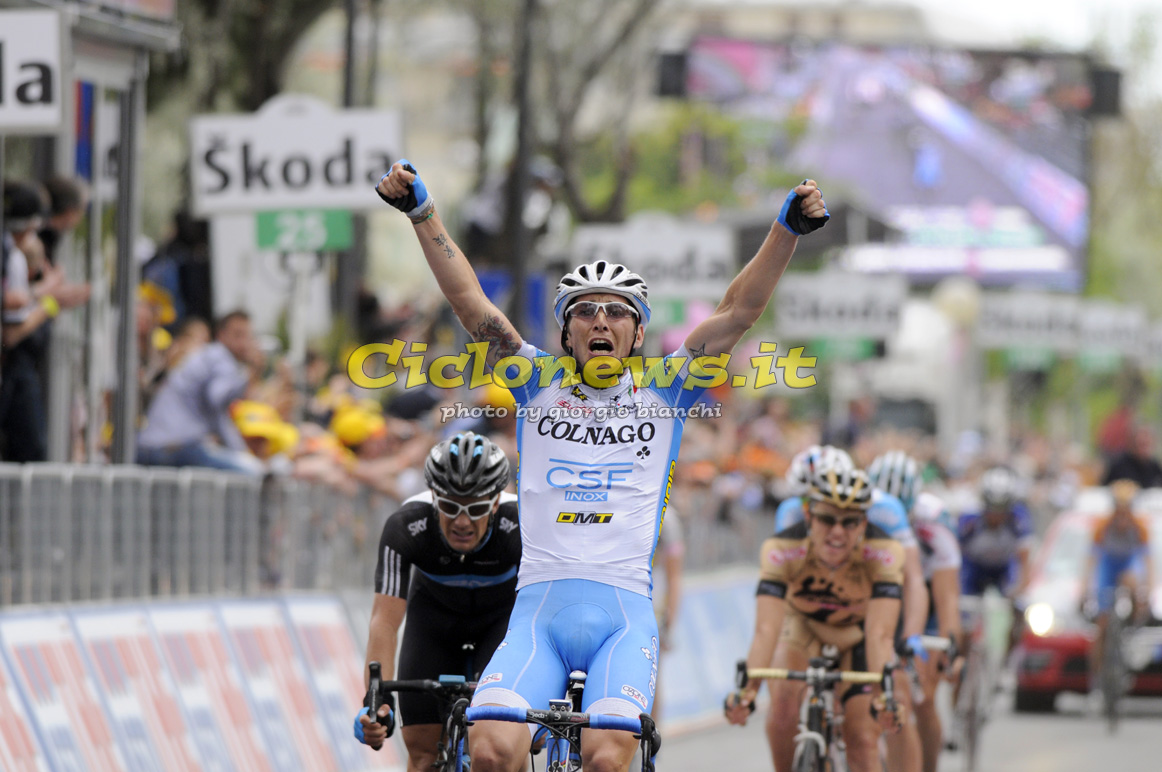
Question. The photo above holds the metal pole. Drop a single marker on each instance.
(3, 233)
(518, 183)
(352, 262)
(302, 266)
(125, 401)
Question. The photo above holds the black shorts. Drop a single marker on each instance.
(433, 641)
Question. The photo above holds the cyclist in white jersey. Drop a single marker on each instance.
(594, 474)
(898, 473)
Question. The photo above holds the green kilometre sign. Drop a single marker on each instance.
(304, 230)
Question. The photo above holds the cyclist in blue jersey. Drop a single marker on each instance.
(897, 473)
(995, 542)
(1120, 555)
(597, 456)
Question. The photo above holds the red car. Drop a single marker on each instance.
(1054, 645)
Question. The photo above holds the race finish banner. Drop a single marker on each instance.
(44, 658)
(139, 696)
(334, 665)
(20, 748)
(210, 688)
(296, 152)
(294, 731)
(839, 305)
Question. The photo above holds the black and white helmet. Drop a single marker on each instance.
(897, 473)
(815, 458)
(468, 465)
(845, 488)
(602, 276)
(999, 487)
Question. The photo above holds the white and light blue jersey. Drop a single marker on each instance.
(886, 511)
(595, 470)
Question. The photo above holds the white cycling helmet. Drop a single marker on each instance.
(814, 459)
(999, 488)
(602, 276)
(845, 488)
(896, 473)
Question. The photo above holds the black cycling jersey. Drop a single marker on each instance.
(453, 598)
(467, 584)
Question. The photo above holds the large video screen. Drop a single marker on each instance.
(976, 161)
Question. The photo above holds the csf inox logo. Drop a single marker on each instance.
(584, 518)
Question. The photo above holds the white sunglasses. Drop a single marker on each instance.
(587, 309)
(475, 511)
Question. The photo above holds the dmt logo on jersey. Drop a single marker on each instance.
(584, 518)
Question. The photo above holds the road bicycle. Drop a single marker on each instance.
(449, 691)
(819, 745)
(1116, 674)
(561, 724)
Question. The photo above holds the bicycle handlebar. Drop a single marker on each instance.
(561, 717)
(847, 676)
(428, 685)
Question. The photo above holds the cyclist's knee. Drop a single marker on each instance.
(607, 751)
(863, 744)
(783, 714)
(497, 747)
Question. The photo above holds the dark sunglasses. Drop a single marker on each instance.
(829, 521)
(475, 511)
(587, 309)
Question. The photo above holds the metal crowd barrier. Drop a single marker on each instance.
(90, 533)
(77, 533)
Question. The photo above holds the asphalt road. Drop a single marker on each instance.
(1069, 741)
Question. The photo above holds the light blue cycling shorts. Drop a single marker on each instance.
(573, 624)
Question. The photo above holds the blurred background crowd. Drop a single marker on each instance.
(145, 323)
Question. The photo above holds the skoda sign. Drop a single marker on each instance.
(294, 153)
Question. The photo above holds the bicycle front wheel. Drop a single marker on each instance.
(970, 707)
(808, 757)
(1113, 672)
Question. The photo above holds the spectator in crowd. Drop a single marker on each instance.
(1113, 436)
(182, 266)
(388, 452)
(192, 408)
(193, 333)
(267, 436)
(154, 310)
(28, 307)
(1137, 463)
(68, 198)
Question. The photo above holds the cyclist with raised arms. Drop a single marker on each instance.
(595, 471)
(898, 473)
(832, 579)
(1120, 555)
(462, 537)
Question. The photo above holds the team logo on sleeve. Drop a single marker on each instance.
(635, 695)
(879, 556)
(491, 678)
(778, 556)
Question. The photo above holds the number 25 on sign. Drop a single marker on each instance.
(304, 230)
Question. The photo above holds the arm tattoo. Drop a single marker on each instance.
(442, 240)
(499, 335)
(698, 352)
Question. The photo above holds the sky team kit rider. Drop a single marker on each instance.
(591, 506)
(462, 538)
